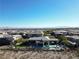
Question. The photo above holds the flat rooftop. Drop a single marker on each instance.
(43, 38)
(74, 37)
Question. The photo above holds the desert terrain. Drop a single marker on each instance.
(6, 54)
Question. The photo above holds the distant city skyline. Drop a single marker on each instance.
(39, 13)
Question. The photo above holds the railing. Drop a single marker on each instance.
(26, 49)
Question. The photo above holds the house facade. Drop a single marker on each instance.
(5, 39)
(59, 32)
(34, 33)
(44, 43)
(74, 40)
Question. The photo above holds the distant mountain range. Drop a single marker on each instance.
(57, 28)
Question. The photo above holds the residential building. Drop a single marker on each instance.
(44, 42)
(16, 37)
(34, 33)
(59, 32)
(5, 39)
(74, 40)
(73, 32)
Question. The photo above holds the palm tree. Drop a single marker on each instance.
(63, 39)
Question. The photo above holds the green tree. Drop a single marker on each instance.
(63, 39)
(47, 32)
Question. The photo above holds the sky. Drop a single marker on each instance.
(39, 13)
